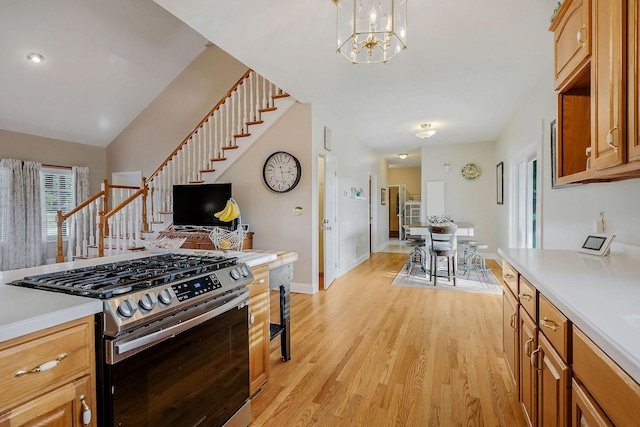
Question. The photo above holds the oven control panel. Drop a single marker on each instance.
(196, 287)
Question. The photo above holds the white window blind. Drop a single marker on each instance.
(57, 194)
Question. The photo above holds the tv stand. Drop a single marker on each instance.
(198, 239)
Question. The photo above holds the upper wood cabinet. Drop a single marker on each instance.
(598, 114)
(608, 84)
(572, 33)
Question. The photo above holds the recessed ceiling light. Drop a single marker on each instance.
(35, 57)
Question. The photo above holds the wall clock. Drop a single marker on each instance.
(470, 171)
(281, 172)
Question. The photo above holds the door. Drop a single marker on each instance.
(330, 220)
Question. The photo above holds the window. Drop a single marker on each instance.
(57, 194)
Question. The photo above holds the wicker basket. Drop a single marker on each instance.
(225, 240)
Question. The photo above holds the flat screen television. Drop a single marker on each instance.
(195, 204)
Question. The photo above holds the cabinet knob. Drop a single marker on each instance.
(610, 139)
(549, 324)
(579, 35)
(525, 297)
(86, 411)
(44, 367)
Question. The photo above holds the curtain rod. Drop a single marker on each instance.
(56, 166)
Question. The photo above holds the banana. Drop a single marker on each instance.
(226, 211)
(232, 214)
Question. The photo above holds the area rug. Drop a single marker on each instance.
(474, 281)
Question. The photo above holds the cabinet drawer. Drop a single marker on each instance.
(616, 393)
(260, 280)
(510, 277)
(74, 339)
(528, 297)
(555, 326)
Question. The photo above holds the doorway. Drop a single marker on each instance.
(524, 215)
(396, 211)
(327, 220)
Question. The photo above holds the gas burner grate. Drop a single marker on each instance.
(117, 278)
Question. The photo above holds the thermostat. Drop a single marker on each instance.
(597, 244)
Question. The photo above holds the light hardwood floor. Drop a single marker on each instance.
(365, 353)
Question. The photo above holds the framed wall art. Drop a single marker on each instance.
(500, 183)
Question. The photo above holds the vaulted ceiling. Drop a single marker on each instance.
(468, 66)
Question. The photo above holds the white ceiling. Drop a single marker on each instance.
(468, 66)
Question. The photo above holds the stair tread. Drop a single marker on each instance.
(255, 122)
(218, 159)
(242, 135)
(281, 95)
(207, 170)
(196, 182)
(233, 147)
(265, 110)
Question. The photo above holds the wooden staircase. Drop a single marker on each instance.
(118, 218)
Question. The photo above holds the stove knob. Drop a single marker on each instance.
(148, 301)
(127, 308)
(245, 270)
(235, 274)
(165, 296)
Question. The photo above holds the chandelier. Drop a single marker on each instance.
(371, 31)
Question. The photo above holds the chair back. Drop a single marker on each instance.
(443, 239)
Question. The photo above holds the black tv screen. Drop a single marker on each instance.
(195, 204)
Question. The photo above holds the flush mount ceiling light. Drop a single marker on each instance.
(426, 133)
(35, 57)
(403, 155)
(371, 31)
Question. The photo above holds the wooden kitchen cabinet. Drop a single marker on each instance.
(528, 374)
(259, 329)
(598, 113)
(584, 409)
(572, 36)
(612, 390)
(553, 385)
(510, 342)
(608, 86)
(52, 397)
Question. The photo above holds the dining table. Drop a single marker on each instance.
(422, 228)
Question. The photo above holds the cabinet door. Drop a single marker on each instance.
(61, 407)
(510, 335)
(608, 73)
(572, 39)
(584, 409)
(554, 377)
(259, 338)
(633, 81)
(528, 343)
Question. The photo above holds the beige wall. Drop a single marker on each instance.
(410, 177)
(270, 215)
(174, 113)
(21, 146)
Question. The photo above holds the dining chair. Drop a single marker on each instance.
(443, 245)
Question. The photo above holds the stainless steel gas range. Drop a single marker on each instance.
(172, 346)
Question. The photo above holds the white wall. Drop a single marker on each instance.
(466, 201)
(356, 162)
(567, 213)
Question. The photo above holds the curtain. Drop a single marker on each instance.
(22, 244)
(79, 222)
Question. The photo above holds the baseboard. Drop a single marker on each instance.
(302, 288)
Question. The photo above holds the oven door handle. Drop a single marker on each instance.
(127, 346)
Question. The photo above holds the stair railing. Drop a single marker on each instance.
(230, 119)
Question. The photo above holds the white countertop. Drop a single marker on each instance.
(600, 295)
(23, 311)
